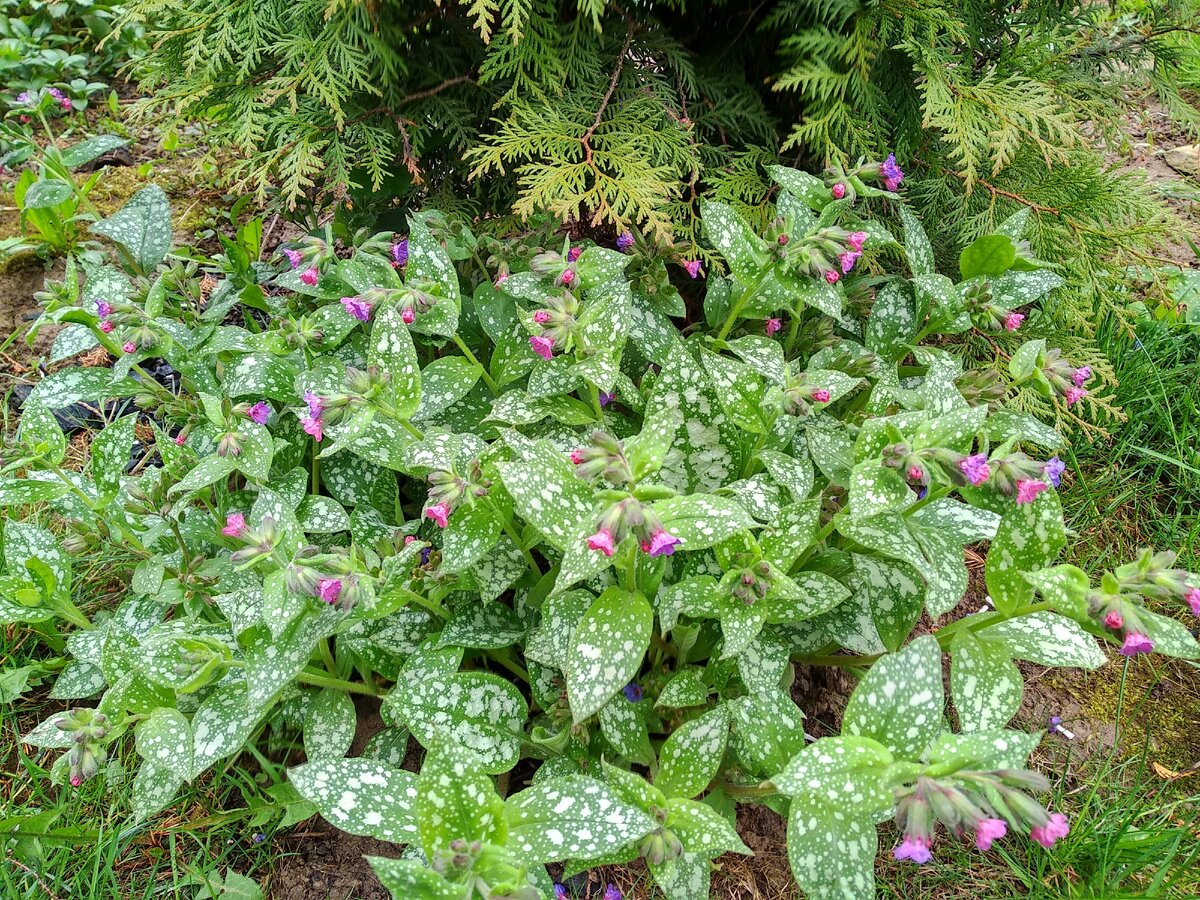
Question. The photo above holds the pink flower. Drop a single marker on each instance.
(440, 513)
(915, 473)
(542, 346)
(1048, 834)
(838, 191)
(913, 847)
(1081, 375)
(293, 257)
(259, 412)
(400, 253)
(329, 589)
(1013, 321)
(856, 240)
(106, 327)
(1027, 489)
(316, 404)
(180, 439)
(892, 174)
(832, 276)
(1135, 643)
(773, 325)
(848, 259)
(568, 276)
(235, 526)
(310, 276)
(541, 317)
(313, 426)
(624, 241)
(357, 307)
(577, 457)
(663, 543)
(975, 468)
(501, 277)
(76, 779)
(1074, 395)
(408, 315)
(1193, 598)
(129, 346)
(821, 395)
(573, 254)
(65, 103)
(693, 267)
(1114, 620)
(988, 830)
(602, 540)
(409, 538)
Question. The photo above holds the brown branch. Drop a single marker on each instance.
(612, 87)
(1011, 196)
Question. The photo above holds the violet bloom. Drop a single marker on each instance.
(624, 241)
(1114, 620)
(1081, 375)
(848, 259)
(1027, 489)
(693, 267)
(560, 891)
(542, 346)
(891, 172)
(1135, 643)
(1052, 831)
(55, 93)
(611, 893)
(329, 589)
(235, 526)
(541, 316)
(310, 276)
(1193, 598)
(633, 692)
(988, 830)
(315, 403)
(23, 97)
(313, 427)
(975, 468)
(1074, 395)
(832, 276)
(1013, 321)
(663, 543)
(856, 239)
(259, 412)
(293, 257)
(602, 540)
(838, 191)
(400, 253)
(573, 254)
(440, 513)
(357, 307)
(129, 346)
(1053, 469)
(773, 325)
(103, 309)
(607, 397)
(915, 848)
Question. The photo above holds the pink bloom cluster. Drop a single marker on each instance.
(311, 420)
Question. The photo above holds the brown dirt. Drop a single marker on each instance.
(19, 281)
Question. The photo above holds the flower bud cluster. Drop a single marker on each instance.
(448, 490)
(1064, 378)
(88, 728)
(556, 323)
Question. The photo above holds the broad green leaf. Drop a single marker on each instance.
(444, 382)
(361, 796)
(607, 650)
(987, 750)
(986, 685)
(702, 520)
(94, 147)
(456, 801)
(899, 702)
(330, 725)
(916, 244)
(623, 725)
(142, 227)
(691, 756)
(1029, 538)
(989, 254)
(686, 688)
(842, 770)
(473, 531)
(391, 349)
(47, 193)
(547, 494)
(110, 456)
(489, 626)
(407, 879)
(40, 431)
(832, 853)
(1024, 361)
(734, 239)
(808, 188)
(703, 830)
(892, 324)
(1046, 638)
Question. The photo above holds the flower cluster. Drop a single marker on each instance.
(447, 491)
(87, 728)
(630, 516)
(1065, 379)
(556, 322)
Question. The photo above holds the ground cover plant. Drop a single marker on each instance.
(576, 528)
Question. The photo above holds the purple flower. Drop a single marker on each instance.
(624, 241)
(293, 257)
(1193, 598)
(693, 267)
(259, 412)
(611, 893)
(913, 847)
(235, 526)
(975, 468)
(103, 309)
(358, 308)
(607, 398)
(1053, 469)
(633, 692)
(542, 346)
(1074, 395)
(1028, 489)
(988, 830)
(560, 891)
(602, 540)
(663, 543)
(23, 97)
(55, 93)
(856, 240)
(773, 325)
(892, 175)
(313, 427)
(400, 253)
(1135, 643)
(329, 589)
(573, 254)
(316, 404)
(847, 260)
(1048, 834)
(1081, 375)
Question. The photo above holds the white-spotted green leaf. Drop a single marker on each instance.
(40, 431)
(329, 726)
(702, 520)
(550, 643)
(899, 702)
(686, 877)
(794, 473)
(407, 878)
(490, 626)
(110, 456)
(456, 801)
(692, 754)
(322, 515)
(1023, 362)
(1048, 639)
(892, 324)
(1029, 538)
(572, 817)
(841, 770)
(444, 382)
(428, 262)
(623, 725)
(142, 227)
(547, 494)
(812, 190)
(986, 750)
(73, 339)
(361, 796)
(1170, 637)
(473, 531)
(986, 685)
(499, 570)
(94, 147)
(734, 239)
(607, 650)
(831, 852)
(703, 830)
(686, 688)
(391, 349)
(916, 244)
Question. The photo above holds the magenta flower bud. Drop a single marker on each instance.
(106, 327)
(235, 526)
(1135, 643)
(293, 257)
(988, 830)
(329, 589)
(1114, 620)
(567, 277)
(1047, 835)
(259, 412)
(573, 254)
(891, 173)
(357, 307)
(542, 346)
(129, 346)
(975, 468)
(1074, 395)
(1028, 488)
(1081, 375)
(180, 439)
(310, 276)
(602, 540)
(313, 427)
(65, 103)
(820, 395)
(624, 241)
(773, 325)
(916, 473)
(76, 779)
(832, 276)
(913, 847)
(838, 191)
(577, 457)
(693, 267)
(1193, 598)
(783, 240)
(408, 316)
(1013, 321)
(501, 277)
(663, 543)
(440, 513)
(541, 317)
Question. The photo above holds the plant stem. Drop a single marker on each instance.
(483, 372)
(736, 311)
(502, 658)
(317, 679)
(424, 602)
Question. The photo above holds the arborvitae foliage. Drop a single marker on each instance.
(622, 115)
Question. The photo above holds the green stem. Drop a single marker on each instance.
(736, 311)
(487, 379)
(327, 657)
(506, 523)
(766, 789)
(412, 429)
(317, 679)
(501, 658)
(423, 602)
(631, 570)
(594, 394)
(316, 472)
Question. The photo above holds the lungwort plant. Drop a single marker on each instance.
(576, 531)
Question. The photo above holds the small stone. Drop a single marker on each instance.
(1185, 159)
